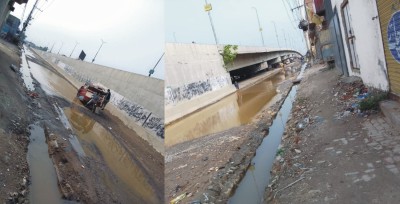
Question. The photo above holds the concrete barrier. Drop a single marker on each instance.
(195, 78)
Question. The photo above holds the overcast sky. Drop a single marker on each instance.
(235, 22)
(132, 29)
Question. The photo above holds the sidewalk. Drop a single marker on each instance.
(338, 156)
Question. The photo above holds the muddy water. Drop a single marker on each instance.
(52, 83)
(252, 187)
(235, 110)
(95, 141)
(95, 138)
(43, 187)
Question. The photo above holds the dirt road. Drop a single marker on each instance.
(338, 156)
(116, 165)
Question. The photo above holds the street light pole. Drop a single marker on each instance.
(284, 35)
(76, 43)
(212, 25)
(276, 33)
(102, 42)
(259, 26)
(60, 48)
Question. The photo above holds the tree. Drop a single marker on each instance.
(229, 54)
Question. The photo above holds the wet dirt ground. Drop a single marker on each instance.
(208, 168)
(334, 158)
(116, 166)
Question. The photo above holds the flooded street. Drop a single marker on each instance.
(234, 110)
(96, 139)
(121, 173)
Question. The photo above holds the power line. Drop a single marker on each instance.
(283, 1)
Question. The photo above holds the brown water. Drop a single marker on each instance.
(96, 139)
(234, 110)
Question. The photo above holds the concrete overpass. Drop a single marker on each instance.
(254, 59)
(196, 77)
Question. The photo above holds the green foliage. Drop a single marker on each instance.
(229, 54)
(372, 101)
(280, 152)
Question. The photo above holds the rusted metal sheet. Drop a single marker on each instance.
(389, 18)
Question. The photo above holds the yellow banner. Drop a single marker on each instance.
(207, 7)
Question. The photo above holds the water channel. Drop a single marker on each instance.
(232, 111)
(252, 187)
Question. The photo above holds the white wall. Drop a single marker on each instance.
(192, 70)
(369, 45)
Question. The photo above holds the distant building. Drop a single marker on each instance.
(5, 7)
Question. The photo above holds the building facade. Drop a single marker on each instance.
(350, 33)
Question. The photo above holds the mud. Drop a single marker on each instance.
(209, 168)
(89, 177)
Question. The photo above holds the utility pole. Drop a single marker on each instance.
(102, 42)
(151, 71)
(174, 37)
(52, 47)
(26, 23)
(60, 48)
(76, 43)
(208, 8)
(276, 33)
(259, 25)
(284, 35)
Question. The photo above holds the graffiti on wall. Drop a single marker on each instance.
(194, 89)
(139, 114)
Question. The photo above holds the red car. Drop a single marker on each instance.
(86, 92)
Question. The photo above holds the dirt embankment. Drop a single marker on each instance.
(15, 108)
(327, 156)
(208, 169)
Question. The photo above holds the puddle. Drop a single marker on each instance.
(252, 187)
(43, 187)
(26, 71)
(232, 111)
(52, 83)
(98, 142)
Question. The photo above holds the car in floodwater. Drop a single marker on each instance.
(85, 93)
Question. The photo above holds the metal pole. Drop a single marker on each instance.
(60, 48)
(259, 25)
(74, 48)
(52, 47)
(26, 23)
(174, 37)
(276, 33)
(212, 25)
(102, 42)
(150, 73)
(284, 35)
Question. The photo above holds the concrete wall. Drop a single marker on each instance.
(194, 72)
(369, 47)
(125, 101)
(4, 11)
